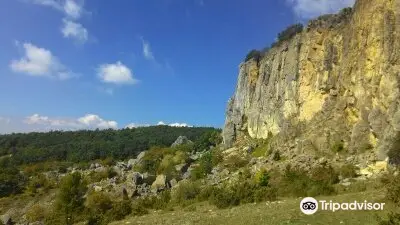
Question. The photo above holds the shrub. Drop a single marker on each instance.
(223, 198)
(253, 54)
(393, 218)
(262, 178)
(290, 32)
(207, 140)
(337, 147)
(36, 213)
(234, 162)
(276, 156)
(297, 183)
(348, 171)
(205, 193)
(69, 200)
(38, 182)
(98, 202)
(11, 181)
(241, 193)
(204, 168)
(121, 209)
(186, 191)
(139, 210)
(392, 184)
(155, 202)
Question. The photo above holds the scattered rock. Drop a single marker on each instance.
(182, 167)
(248, 149)
(159, 184)
(140, 156)
(173, 183)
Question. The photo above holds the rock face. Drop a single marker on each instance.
(181, 140)
(335, 84)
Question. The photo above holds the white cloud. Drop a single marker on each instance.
(307, 9)
(116, 73)
(74, 30)
(39, 62)
(70, 8)
(89, 121)
(162, 123)
(147, 53)
(134, 125)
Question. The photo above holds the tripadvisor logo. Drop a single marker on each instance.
(310, 206)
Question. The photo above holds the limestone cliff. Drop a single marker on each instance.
(336, 83)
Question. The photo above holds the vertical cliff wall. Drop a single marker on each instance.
(336, 82)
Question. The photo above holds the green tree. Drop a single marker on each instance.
(70, 200)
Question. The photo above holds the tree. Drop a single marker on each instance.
(253, 54)
(70, 200)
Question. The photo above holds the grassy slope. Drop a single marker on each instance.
(285, 212)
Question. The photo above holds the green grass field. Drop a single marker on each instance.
(285, 211)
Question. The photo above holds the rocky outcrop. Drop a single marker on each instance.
(335, 85)
(181, 140)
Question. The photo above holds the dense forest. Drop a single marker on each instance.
(87, 145)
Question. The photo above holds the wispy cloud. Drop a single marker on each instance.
(147, 53)
(72, 9)
(89, 121)
(306, 9)
(116, 73)
(74, 30)
(39, 62)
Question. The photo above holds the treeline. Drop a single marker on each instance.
(86, 145)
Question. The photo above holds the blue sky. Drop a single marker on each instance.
(75, 64)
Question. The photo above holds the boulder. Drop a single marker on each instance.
(140, 156)
(160, 183)
(181, 140)
(182, 167)
(132, 162)
(135, 178)
(6, 219)
(173, 183)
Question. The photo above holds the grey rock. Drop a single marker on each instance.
(173, 183)
(140, 156)
(181, 140)
(182, 167)
(160, 183)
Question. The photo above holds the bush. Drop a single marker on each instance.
(186, 191)
(337, 147)
(262, 178)
(290, 32)
(348, 171)
(36, 213)
(297, 183)
(253, 54)
(392, 184)
(11, 181)
(98, 202)
(121, 209)
(241, 193)
(392, 219)
(39, 183)
(155, 202)
(234, 162)
(223, 198)
(70, 199)
(139, 210)
(204, 168)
